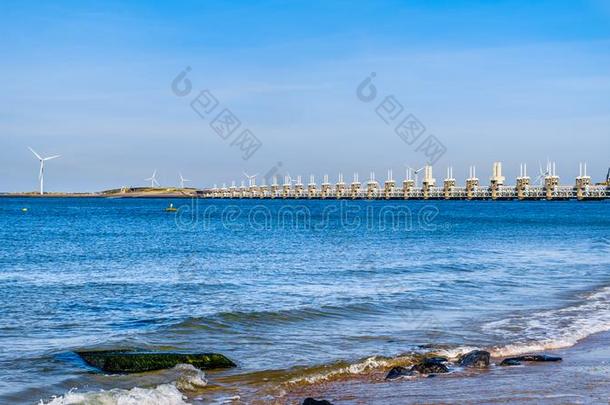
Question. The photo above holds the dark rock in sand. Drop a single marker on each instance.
(128, 361)
(510, 362)
(515, 361)
(311, 401)
(475, 359)
(398, 372)
(430, 366)
(538, 357)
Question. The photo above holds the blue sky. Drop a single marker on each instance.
(517, 81)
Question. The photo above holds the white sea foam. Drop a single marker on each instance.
(455, 352)
(553, 329)
(226, 400)
(189, 378)
(166, 394)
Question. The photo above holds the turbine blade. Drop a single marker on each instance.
(51, 157)
(34, 152)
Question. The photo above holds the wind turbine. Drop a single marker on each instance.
(251, 179)
(153, 180)
(542, 174)
(416, 172)
(182, 180)
(41, 174)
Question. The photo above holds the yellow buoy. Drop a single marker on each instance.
(24, 210)
(171, 208)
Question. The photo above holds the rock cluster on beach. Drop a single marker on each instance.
(475, 359)
(432, 365)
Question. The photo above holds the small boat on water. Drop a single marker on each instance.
(171, 208)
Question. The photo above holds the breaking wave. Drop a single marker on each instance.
(189, 378)
(163, 394)
(555, 328)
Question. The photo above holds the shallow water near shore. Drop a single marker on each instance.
(582, 377)
(297, 293)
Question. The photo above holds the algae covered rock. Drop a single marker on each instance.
(127, 361)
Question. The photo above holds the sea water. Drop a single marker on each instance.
(294, 291)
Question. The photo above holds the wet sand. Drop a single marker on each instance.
(583, 377)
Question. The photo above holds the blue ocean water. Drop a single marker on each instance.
(276, 285)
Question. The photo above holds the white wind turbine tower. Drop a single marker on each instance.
(41, 174)
(153, 180)
(251, 179)
(415, 172)
(182, 180)
(542, 174)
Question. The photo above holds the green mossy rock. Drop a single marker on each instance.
(124, 361)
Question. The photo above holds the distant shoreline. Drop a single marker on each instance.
(200, 195)
(169, 193)
(176, 193)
